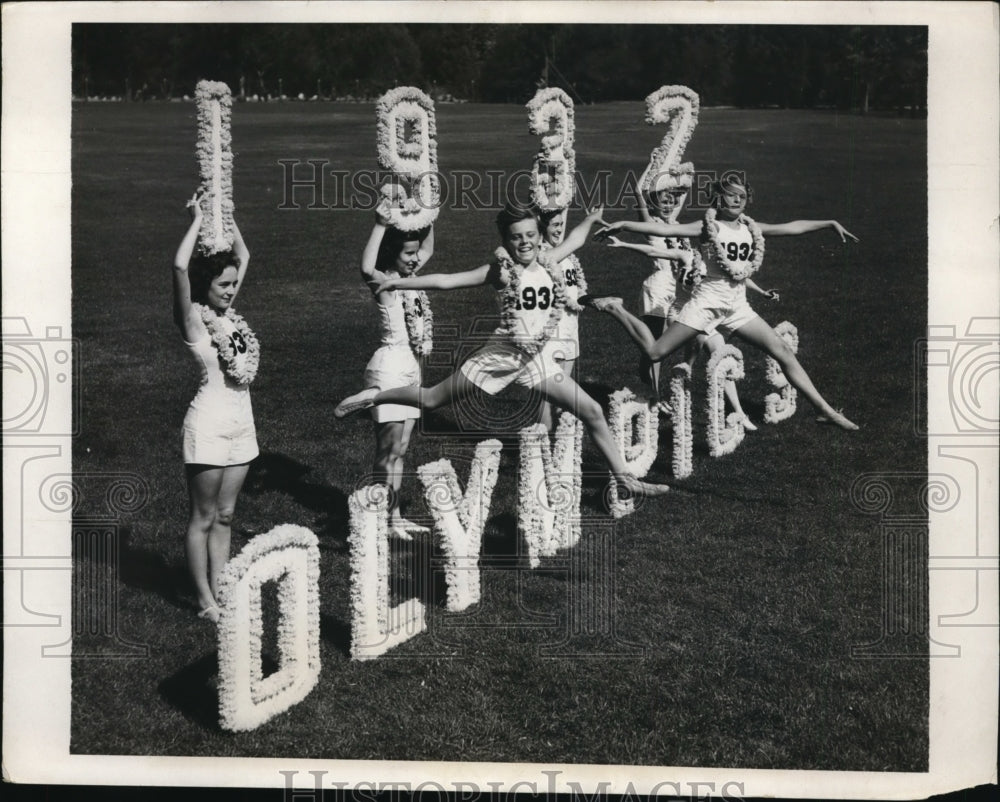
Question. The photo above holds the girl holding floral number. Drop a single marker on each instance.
(405, 316)
(220, 439)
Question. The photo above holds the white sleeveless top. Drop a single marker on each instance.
(737, 244)
(216, 387)
(534, 305)
(393, 322)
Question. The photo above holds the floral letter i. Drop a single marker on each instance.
(215, 164)
(375, 626)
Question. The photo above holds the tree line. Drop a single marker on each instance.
(790, 66)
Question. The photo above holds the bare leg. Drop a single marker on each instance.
(220, 537)
(203, 491)
(649, 371)
(657, 349)
(568, 395)
(447, 392)
(545, 414)
(759, 334)
(712, 345)
(387, 469)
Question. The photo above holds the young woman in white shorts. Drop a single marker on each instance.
(405, 316)
(719, 302)
(532, 294)
(669, 288)
(220, 439)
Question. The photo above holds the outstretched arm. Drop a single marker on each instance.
(653, 227)
(439, 281)
(796, 227)
(182, 282)
(676, 254)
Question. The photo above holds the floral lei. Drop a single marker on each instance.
(241, 374)
(417, 307)
(512, 292)
(697, 271)
(710, 232)
(581, 280)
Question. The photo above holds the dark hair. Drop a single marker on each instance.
(514, 212)
(205, 268)
(546, 217)
(728, 182)
(392, 244)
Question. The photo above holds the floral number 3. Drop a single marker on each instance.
(238, 343)
(738, 251)
(532, 298)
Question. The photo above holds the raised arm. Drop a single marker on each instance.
(796, 227)
(369, 257)
(182, 282)
(439, 281)
(426, 248)
(242, 253)
(652, 227)
(577, 237)
(640, 198)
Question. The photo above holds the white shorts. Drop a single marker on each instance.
(392, 366)
(565, 343)
(499, 363)
(219, 432)
(658, 292)
(717, 305)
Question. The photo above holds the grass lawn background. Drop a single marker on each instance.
(730, 606)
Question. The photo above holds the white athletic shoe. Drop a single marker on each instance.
(355, 403)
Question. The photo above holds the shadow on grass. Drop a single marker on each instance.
(193, 692)
(148, 571)
(190, 691)
(282, 474)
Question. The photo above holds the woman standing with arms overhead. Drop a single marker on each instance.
(405, 316)
(219, 435)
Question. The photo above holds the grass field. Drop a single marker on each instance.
(735, 601)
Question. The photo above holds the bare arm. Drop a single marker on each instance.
(369, 257)
(242, 252)
(653, 227)
(182, 282)
(640, 198)
(576, 238)
(772, 294)
(426, 248)
(797, 227)
(439, 281)
(676, 254)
